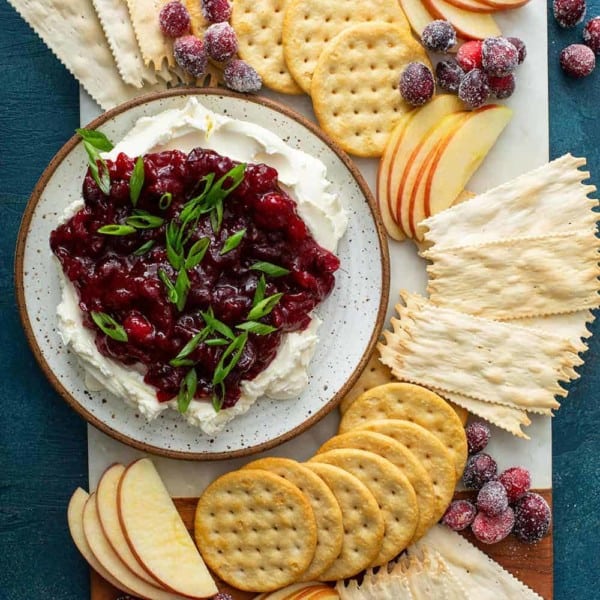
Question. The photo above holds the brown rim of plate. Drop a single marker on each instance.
(20, 286)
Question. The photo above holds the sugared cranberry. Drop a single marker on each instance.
(439, 36)
(519, 44)
(480, 469)
(492, 498)
(221, 41)
(474, 89)
(591, 34)
(469, 55)
(569, 13)
(216, 11)
(532, 518)
(478, 436)
(174, 19)
(241, 77)
(190, 55)
(491, 530)
(498, 57)
(449, 74)
(459, 515)
(502, 87)
(416, 84)
(516, 482)
(577, 60)
(223, 596)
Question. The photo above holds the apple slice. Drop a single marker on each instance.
(75, 520)
(459, 157)
(157, 535)
(505, 4)
(468, 25)
(417, 14)
(310, 590)
(476, 6)
(107, 504)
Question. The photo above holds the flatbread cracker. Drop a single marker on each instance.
(400, 456)
(517, 277)
(392, 490)
(355, 85)
(363, 521)
(259, 28)
(328, 515)
(310, 24)
(572, 326)
(416, 404)
(255, 530)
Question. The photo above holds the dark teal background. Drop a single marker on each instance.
(43, 442)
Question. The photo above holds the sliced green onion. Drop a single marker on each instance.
(264, 307)
(194, 342)
(233, 241)
(259, 293)
(182, 286)
(109, 326)
(187, 391)
(172, 294)
(218, 397)
(96, 139)
(165, 201)
(142, 219)
(102, 179)
(270, 269)
(216, 325)
(216, 342)
(144, 248)
(114, 229)
(136, 181)
(196, 253)
(256, 328)
(233, 353)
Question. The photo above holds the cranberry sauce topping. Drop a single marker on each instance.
(261, 250)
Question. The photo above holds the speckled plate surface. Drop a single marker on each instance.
(352, 316)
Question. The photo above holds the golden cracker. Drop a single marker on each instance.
(416, 404)
(390, 487)
(363, 521)
(400, 456)
(328, 515)
(255, 530)
(310, 24)
(258, 25)
(355, 85)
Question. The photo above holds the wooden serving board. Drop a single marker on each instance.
(531, 564)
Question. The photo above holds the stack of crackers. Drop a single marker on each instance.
(512, 281)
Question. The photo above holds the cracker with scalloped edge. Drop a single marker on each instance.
(310, 24)
(355, 85)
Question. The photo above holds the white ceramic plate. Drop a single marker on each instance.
(352, 316)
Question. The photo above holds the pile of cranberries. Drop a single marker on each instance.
(503, 504)
(219, 44)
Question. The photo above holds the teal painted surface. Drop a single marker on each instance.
(43, 443)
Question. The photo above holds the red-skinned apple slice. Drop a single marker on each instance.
(476, 6)
(156, 534)
(505, 4)
(459, 157)
(417, 14)
(107, 504)
(468, 25)
(302, 591)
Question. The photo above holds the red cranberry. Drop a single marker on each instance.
(449, 74)
(439, 36)
(459, 515)
(591, 34)
(516, 482)
(502, 87)
(491, 530)
(469, 55)
(416, 84)
(221, 41)
(532, 518)
(569, 13)
(174, 19)
(138, 328)
(216, 11)
(499, 57)
(480, 469)
(519, 44)
(222, 596)
(577, 60)
(190, 55)
(478, 436)
(492, 498)
(474, 89)
(241, 77)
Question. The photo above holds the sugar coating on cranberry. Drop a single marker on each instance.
(190, 55)
(241, 77)
(416, 84)
(222, 596)
(480, 469)
(490, 530)
(439, 36)
(449, 74)
(503, 87)
(174, 19)
(474, 89)
(577, 60)
(498, 56)
(516, 482)
(221, 41)
(569, 13)
(532, 518)
(519, 44)
(469, 55)
(459, 515)
(492, 498)
(478, 436)
(216, 11)
(591, 34)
